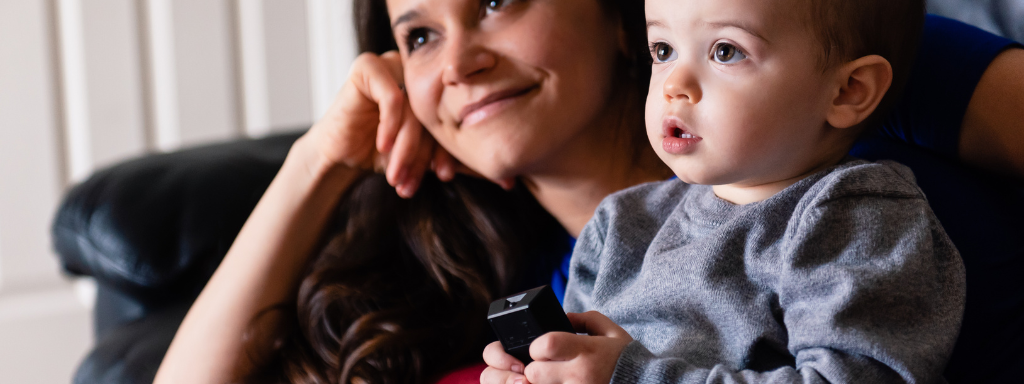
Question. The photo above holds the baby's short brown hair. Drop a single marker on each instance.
(850, 29)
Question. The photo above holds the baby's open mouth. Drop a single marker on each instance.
(681, 134)
(677, 139)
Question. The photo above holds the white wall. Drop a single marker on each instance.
(88, 83)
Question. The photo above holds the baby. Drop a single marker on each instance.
(773, 257)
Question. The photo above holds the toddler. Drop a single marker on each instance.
(773, 257)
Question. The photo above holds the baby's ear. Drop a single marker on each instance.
(861, 85)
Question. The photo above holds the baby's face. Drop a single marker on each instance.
(736, 96)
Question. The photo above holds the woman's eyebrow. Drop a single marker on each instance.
(411, 15)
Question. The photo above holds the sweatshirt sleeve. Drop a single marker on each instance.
(871, 290)
(585, 263)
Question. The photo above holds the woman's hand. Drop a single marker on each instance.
(370, 125)
(561, 357)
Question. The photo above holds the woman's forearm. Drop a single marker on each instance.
(262, 268)
(992, 136)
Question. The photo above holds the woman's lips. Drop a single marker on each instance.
(677, 140)
(491, 104)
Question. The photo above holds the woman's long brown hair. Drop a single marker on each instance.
(399, 291)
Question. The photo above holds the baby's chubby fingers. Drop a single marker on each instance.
(496, 357)
(496, 376)
(596, 324)
(502, 368)
(557, 346)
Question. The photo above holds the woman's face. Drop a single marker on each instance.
(509, 87)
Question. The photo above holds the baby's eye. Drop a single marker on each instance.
(726, 53)
(417, 38)
(662, 52)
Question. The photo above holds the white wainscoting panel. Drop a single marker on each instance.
(31, 175)
(275, 65)
(332, 41)
(192, 60)
(44, 331)
(103, 89)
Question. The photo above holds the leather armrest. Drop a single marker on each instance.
(159, 225)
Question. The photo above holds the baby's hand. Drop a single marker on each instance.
(502, 368)
(562, 357)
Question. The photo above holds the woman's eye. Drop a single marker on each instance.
(491, 6)
(417, 38)
(662, 52)
(726, 53)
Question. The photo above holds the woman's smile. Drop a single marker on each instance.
(492, 104)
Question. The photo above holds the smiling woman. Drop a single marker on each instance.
(543, 97)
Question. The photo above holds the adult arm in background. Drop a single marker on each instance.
(964, 98)
(992, 134)
(263, 267)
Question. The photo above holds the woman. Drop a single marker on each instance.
(548, 93)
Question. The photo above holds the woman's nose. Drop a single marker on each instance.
(464, 58)
(682, 85)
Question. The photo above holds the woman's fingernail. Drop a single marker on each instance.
(520, 381)
(517, 368)
(410, 188)
(400, 177)
(446, 174)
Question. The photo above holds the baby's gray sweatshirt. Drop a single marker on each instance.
(844, 277)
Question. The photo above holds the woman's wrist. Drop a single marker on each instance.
(306, 162)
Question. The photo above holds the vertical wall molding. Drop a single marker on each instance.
(101, 74)
(253, 47)
(193, 72)
(163, 70)
(30, 168)
(275, 65)
(75, 88)
(332, 48)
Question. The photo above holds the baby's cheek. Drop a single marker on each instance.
(653, 112)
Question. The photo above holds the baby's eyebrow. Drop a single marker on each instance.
(734, 24)
(654, 23)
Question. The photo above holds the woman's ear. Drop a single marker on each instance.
(861, 85)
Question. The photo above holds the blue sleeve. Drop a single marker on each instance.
(560, 277)
(950, 62)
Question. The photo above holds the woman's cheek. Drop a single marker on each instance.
(425, 100)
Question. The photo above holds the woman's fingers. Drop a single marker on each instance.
(376, 79)
(454, 167)
(443, 164)
(391, 63)
(418, 167)
(403, 153)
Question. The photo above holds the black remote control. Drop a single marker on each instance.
(523, 317)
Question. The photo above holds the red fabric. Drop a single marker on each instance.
(467, 375)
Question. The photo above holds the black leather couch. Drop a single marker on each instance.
(151, 232)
